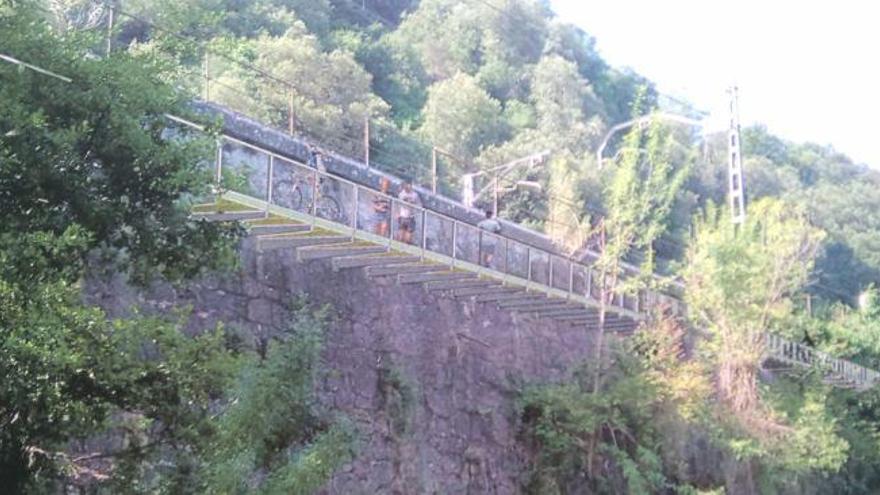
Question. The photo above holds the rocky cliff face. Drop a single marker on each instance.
(428, 380)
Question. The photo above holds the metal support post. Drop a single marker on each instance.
(529, 262)
(110, 29)
(736, 184)
(354, 212)
(570, 278)
(290, 116)
(480, 248)
(207, 75)
(506, 256)
(219, 164)
(315, 190)
(367, 141)
(424, 232)
(589, 282)
(495, 196)
(390, 220)
(454, 241)
(269, 182)
(434, 170)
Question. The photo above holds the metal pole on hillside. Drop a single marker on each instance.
(110, 30)
(736, 184)
(367, 141)
(290, 112)
(207, 76)
(495, 195)
(434, 169)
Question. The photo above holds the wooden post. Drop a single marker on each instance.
(367, 141)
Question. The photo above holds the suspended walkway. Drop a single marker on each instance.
(321, 215)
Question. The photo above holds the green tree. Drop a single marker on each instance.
(331, 92)
(566, 107)
(272, 438)
(618, 441)
(739, 286)
(99, 153)
(460, 117)
(639, 198)
(93, 167)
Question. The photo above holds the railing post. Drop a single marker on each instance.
(529, 263)
(506, 256)
(424, 232)
(269, 182)
(589, 282)
(480, 247)
(434, 171)
(315, 190)
(390, 220)
(219, 164)
(454, 241)
(570, 278)
(550, 270)
(367, 141)
(495, 195)
(354, 211)
(110, 29)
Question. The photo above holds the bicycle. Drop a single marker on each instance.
(290, 191)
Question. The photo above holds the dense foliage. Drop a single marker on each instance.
(92, 174)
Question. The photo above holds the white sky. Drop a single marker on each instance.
(809, 70)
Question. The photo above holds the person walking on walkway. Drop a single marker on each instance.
(487, 243)
(406, 216)
(382, 207)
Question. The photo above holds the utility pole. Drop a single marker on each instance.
(736, 184)
(109, 30)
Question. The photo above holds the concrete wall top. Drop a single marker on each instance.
(251, 131)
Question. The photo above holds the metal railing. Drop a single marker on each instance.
(287, 187)
(837, 371)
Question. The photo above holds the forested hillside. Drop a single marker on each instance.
(89, 176)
